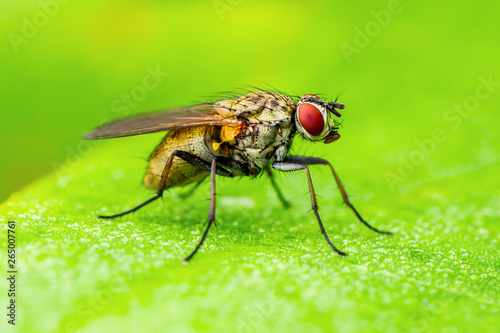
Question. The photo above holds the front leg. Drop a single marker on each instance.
(314, 160)
(292, 166)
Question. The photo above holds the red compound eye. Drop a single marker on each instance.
(311, 119)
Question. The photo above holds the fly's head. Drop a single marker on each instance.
(314, 119)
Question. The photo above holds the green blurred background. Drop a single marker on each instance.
(419, 151)
(65, 65)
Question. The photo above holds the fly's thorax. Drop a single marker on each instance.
(266, 114)
(258, 107)
(268, 119)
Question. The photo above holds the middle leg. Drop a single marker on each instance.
(211, 212)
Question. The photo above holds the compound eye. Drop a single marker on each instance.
(311, 119)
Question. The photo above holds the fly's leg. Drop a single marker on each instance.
(188, 157)
(159, 191)
(292, 166)
(211, 212)
(285, 202)
(314, 160)
(236, 168)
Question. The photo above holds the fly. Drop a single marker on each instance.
(239, 136)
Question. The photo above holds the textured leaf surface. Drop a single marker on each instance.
(265, 269)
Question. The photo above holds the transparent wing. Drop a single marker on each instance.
(165, 120)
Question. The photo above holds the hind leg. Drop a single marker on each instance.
(188, 157)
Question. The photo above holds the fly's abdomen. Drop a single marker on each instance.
(191, 140)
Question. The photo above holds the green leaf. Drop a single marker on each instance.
(265, 269)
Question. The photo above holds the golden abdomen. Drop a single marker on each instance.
(193, 140)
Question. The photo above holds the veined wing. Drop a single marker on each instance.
(165, 120)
